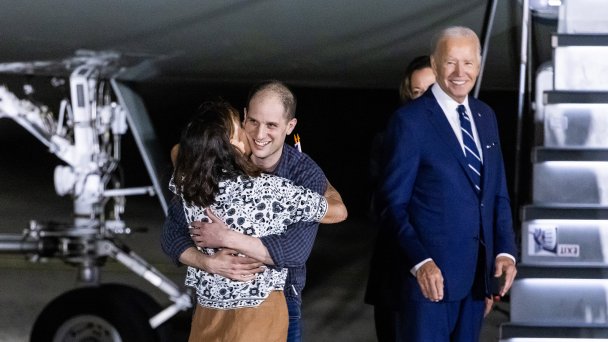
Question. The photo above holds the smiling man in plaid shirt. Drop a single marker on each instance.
(269, 119)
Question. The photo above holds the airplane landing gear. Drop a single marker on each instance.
(86, 135)
(107, 313)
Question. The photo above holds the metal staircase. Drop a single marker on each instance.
(561, 293)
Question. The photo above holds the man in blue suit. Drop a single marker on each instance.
(445, 202)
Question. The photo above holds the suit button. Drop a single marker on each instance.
(482, 205)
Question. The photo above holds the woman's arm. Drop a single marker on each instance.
(336, 210)
(216, 234)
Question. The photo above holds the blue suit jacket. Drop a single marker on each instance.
(430, 208)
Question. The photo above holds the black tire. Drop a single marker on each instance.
(109, 313)
(164, 333)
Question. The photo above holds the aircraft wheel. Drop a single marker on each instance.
(109, 313)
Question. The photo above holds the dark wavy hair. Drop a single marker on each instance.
(206, 156)
(418, 63)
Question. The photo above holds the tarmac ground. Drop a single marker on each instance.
(333, 307)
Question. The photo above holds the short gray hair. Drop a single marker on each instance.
(454, 31)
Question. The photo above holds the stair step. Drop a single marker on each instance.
(556, 339)
(580, 125)
(560, 302)
(544, 154)
(575, 177)
(574, 243)
(562, 272)
(559, 212)
(561, 40)
(544, 83)
(583, 16)
(518, 332)
(564, 96)
(581, 67)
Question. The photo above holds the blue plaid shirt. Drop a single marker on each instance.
(290, 249)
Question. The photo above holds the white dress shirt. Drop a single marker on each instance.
(450, 109)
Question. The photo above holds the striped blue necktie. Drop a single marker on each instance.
(470, 148)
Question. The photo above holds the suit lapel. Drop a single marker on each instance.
(446, 133)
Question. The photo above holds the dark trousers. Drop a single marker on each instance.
(456, 321)
(385, 320)
(294, 333)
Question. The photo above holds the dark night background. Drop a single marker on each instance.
(336, 126)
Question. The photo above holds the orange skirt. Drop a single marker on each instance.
(267, 322)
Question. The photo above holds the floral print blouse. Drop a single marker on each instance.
(255, 206)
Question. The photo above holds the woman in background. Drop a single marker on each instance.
(419, 76)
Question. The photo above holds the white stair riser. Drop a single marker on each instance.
(560, 302)
(581, 243)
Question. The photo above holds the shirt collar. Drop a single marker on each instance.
(281, 166)
(448, 104)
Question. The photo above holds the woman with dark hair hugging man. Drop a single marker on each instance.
(213, 172)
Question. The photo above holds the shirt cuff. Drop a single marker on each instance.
(416, 267)
(508, 256)
(275, 249)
